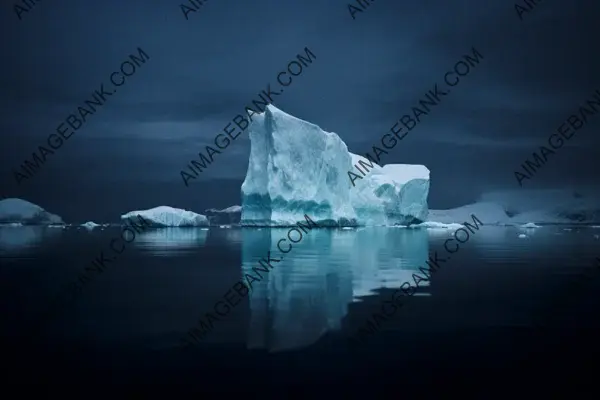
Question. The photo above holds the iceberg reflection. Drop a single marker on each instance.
(171, 241)
(19, 238)
(308, 293)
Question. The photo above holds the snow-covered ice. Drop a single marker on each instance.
(17, 211)
(232, 209)
(437, 225)
(392, 194)
(165, 216)
(296, 168)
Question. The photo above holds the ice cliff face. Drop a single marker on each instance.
(23, 212)
(165, 216)
(296, 168)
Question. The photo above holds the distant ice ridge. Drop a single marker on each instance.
(550, 206)
(228, 216)
(529, 207)
(488, 213)
(296, 168)
(165, 216)
(17, 211)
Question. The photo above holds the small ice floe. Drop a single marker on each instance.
(522, 236)
(224, 226)
(567, 229)
(530, 225)
(203, 229)
(347, 228)
(58, 226)
(90, 225)
(437, 225)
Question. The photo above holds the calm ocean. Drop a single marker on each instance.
(490, 309)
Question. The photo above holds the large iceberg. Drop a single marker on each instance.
(165, 216)
(296, 168)
(17, 211)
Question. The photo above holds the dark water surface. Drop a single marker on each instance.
(488, 314)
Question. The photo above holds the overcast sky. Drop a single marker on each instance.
(368, 72)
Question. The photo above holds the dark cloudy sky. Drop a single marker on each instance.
(368, 73)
